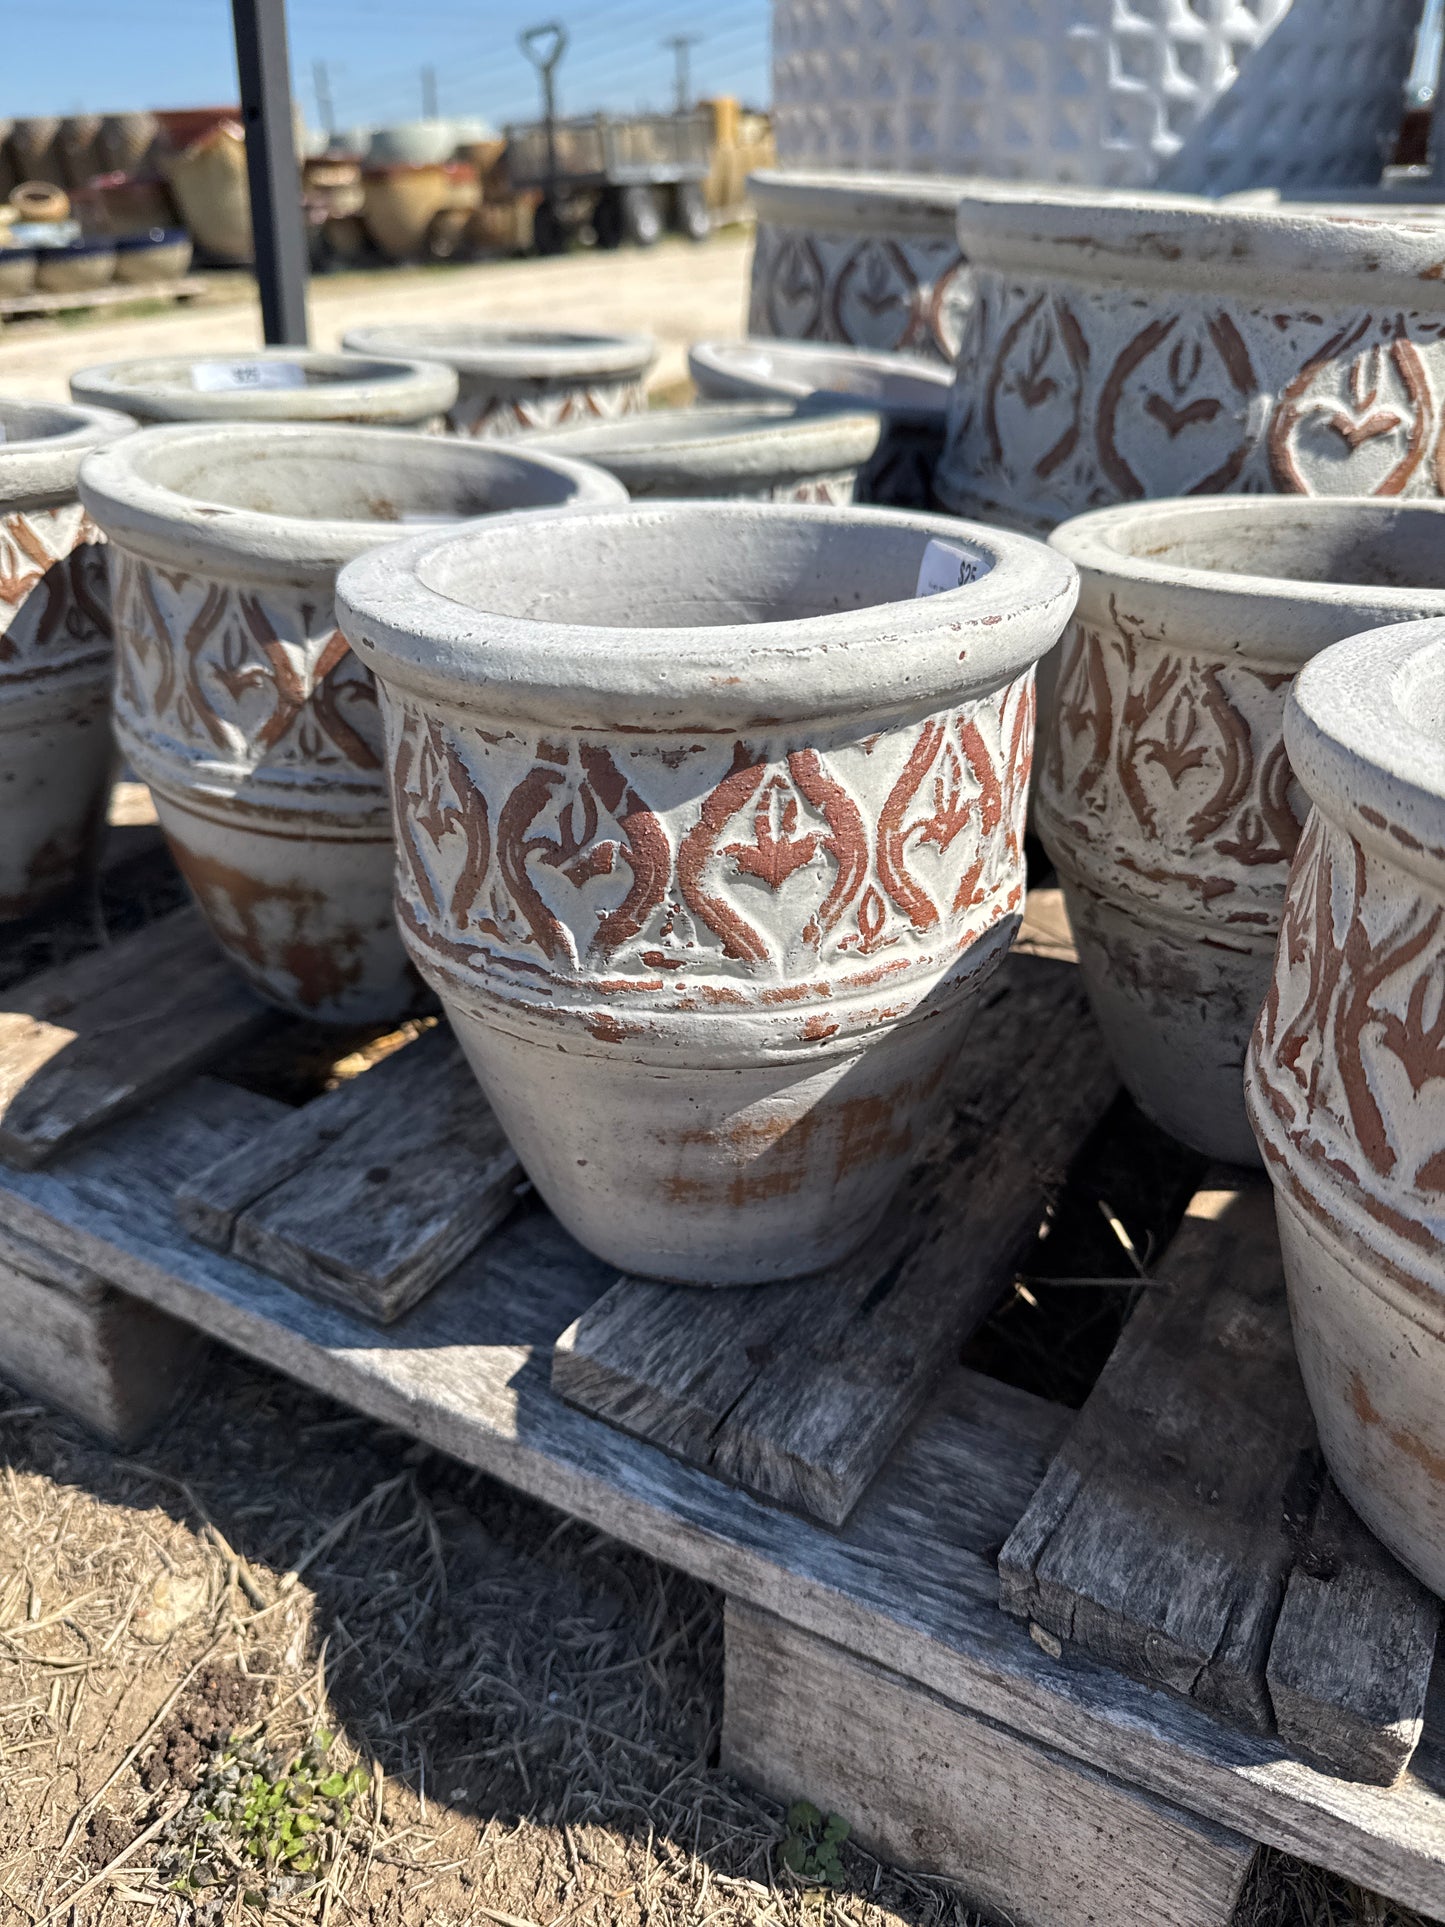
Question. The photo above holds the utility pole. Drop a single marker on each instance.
(680, 44)
(325, 111)
(278, 234)
(428, 93)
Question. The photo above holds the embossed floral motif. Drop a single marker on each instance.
(487, 417)
(54, 605)
(873, 291)
(1359, 424)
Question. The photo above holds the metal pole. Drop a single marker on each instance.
(428, 93)
(276, 223)
(680, 43)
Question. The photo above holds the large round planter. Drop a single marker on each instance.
(55, 652)
(870, 261)
(237, 699)
(1164, 793)
(1129, 347)
(709, 858)
(401, 201)
(367, 389)
(1346, 1080)
(513, 379)
(1195, 97)
(159, 254)
(734, 451)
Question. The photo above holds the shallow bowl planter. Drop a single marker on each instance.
(55, 652)
(237, 699)
(870, 260)
(1346, 1080)
(513, 379)
(1130, 347)
(75, 268)
(272, 385)
(765, 451)
(709, 853)
(1164, 794)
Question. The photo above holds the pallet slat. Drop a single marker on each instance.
(799, 1391)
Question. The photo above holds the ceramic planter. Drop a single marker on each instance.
(1128, 347)
(1201, 95)
(402, 200)
(763, 451)
(1346, 1080)
(237, 699)
(331, 388)
(513, 379)
(55, 652)
(1164, 794)
(867, 260)
(160, 254)
(76, 267)
(709, 853)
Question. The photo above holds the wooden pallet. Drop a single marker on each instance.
(189, 287)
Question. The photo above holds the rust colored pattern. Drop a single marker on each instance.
(54, 603)
(869, 291)
(488, 416)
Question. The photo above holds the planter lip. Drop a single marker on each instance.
(406, 616)
(758, 367)
(373, 388)
(721, 442)
(40, 464)
(1356, 743)
(511, 353)
(1256, 614)
(826, 201)
(1320, 252)
(124, 488)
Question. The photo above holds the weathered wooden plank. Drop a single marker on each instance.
(92, 1039)
(1028, 1834)
(909, 1583)
(1349, 1666)
(798, 1391)
(370, 1194)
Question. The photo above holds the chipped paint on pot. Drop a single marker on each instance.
(515, 379)
(1164, 794)
(1346, 1077)
(56, 754)
(237, 699)
(709, 860)
(381, 392)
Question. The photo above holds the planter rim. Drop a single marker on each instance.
(40, 464)
(721, 441)
(1355, 739)
(124, 488)
(1145, 240)
(1243, 611)
(760, 367)
(510, 353)
(407, 616)
(857, 203)
(382, 389)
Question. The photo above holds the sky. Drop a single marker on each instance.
(111, 56)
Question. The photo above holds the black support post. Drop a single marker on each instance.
(276, 221)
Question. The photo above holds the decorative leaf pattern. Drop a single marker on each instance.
(54, 604)
(488, 417)
(909, 292)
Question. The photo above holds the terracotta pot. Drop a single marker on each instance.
(867, 260)
(1124, 347)
(1164, 794)
(125, 141)
(512, 379)
(911, 395)
(131, 204)
(335, 388)
(35, 144)
(161, 254)
(717, 832)
(75, 268)
(400, 202)
(40, 201)
(208, 179)
(766, 452)
(55, 653)
(237, 699)
(1346, 1083)
(78, 146)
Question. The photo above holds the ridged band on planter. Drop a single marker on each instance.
(759, 451)
(871, 261)
(1202, 95)
(1164, 793)
(237, 699)
(1123, 348)
(55, 652)
(1346, 1079)
(381, 392)
(709, 862)
(513, 379)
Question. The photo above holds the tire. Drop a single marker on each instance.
(549, 236)
(608, 219)
(641, 216)
(690, 211)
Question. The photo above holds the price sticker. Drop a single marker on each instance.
(945, 566)
(230, 377)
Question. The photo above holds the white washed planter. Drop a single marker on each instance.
(1127, 347)
(513, 379)
(237, 699)
(382, 393)
(1346, 1080)
(869, 261)
(760, 451)
(708, 860)
(1164, 793)
(1196, 95)
(55, 652)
